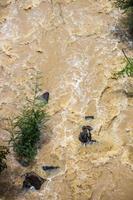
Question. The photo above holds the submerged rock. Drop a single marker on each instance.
(49, 168)
(128, 86)
(24, 162)
(33, 180)
(89, 117)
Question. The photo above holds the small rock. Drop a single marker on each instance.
(49, 168)
(33, 180)
(128, 86)
(85, 135)
(40, 51)
(23, 162)
(128, 130)
(45, 96)
(89, 117)
(28, 7)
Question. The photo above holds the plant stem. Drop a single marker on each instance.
(126, 57)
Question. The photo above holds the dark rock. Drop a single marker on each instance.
(49, 168)
(89, 117)
(24, 162)
(85, 135)
(45, 96)
(32, 179)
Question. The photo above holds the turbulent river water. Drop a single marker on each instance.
(71, 43)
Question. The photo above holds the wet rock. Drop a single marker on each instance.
(89, 117)
(24, 162)
(85, 136)
(128, 86)
(91, 142)
(45, 97)
(49, 168)
(33, 180)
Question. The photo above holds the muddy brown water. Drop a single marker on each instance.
(71, 43)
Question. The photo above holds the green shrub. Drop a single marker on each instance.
(3, 153)
(26, 128)
(127, 70)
